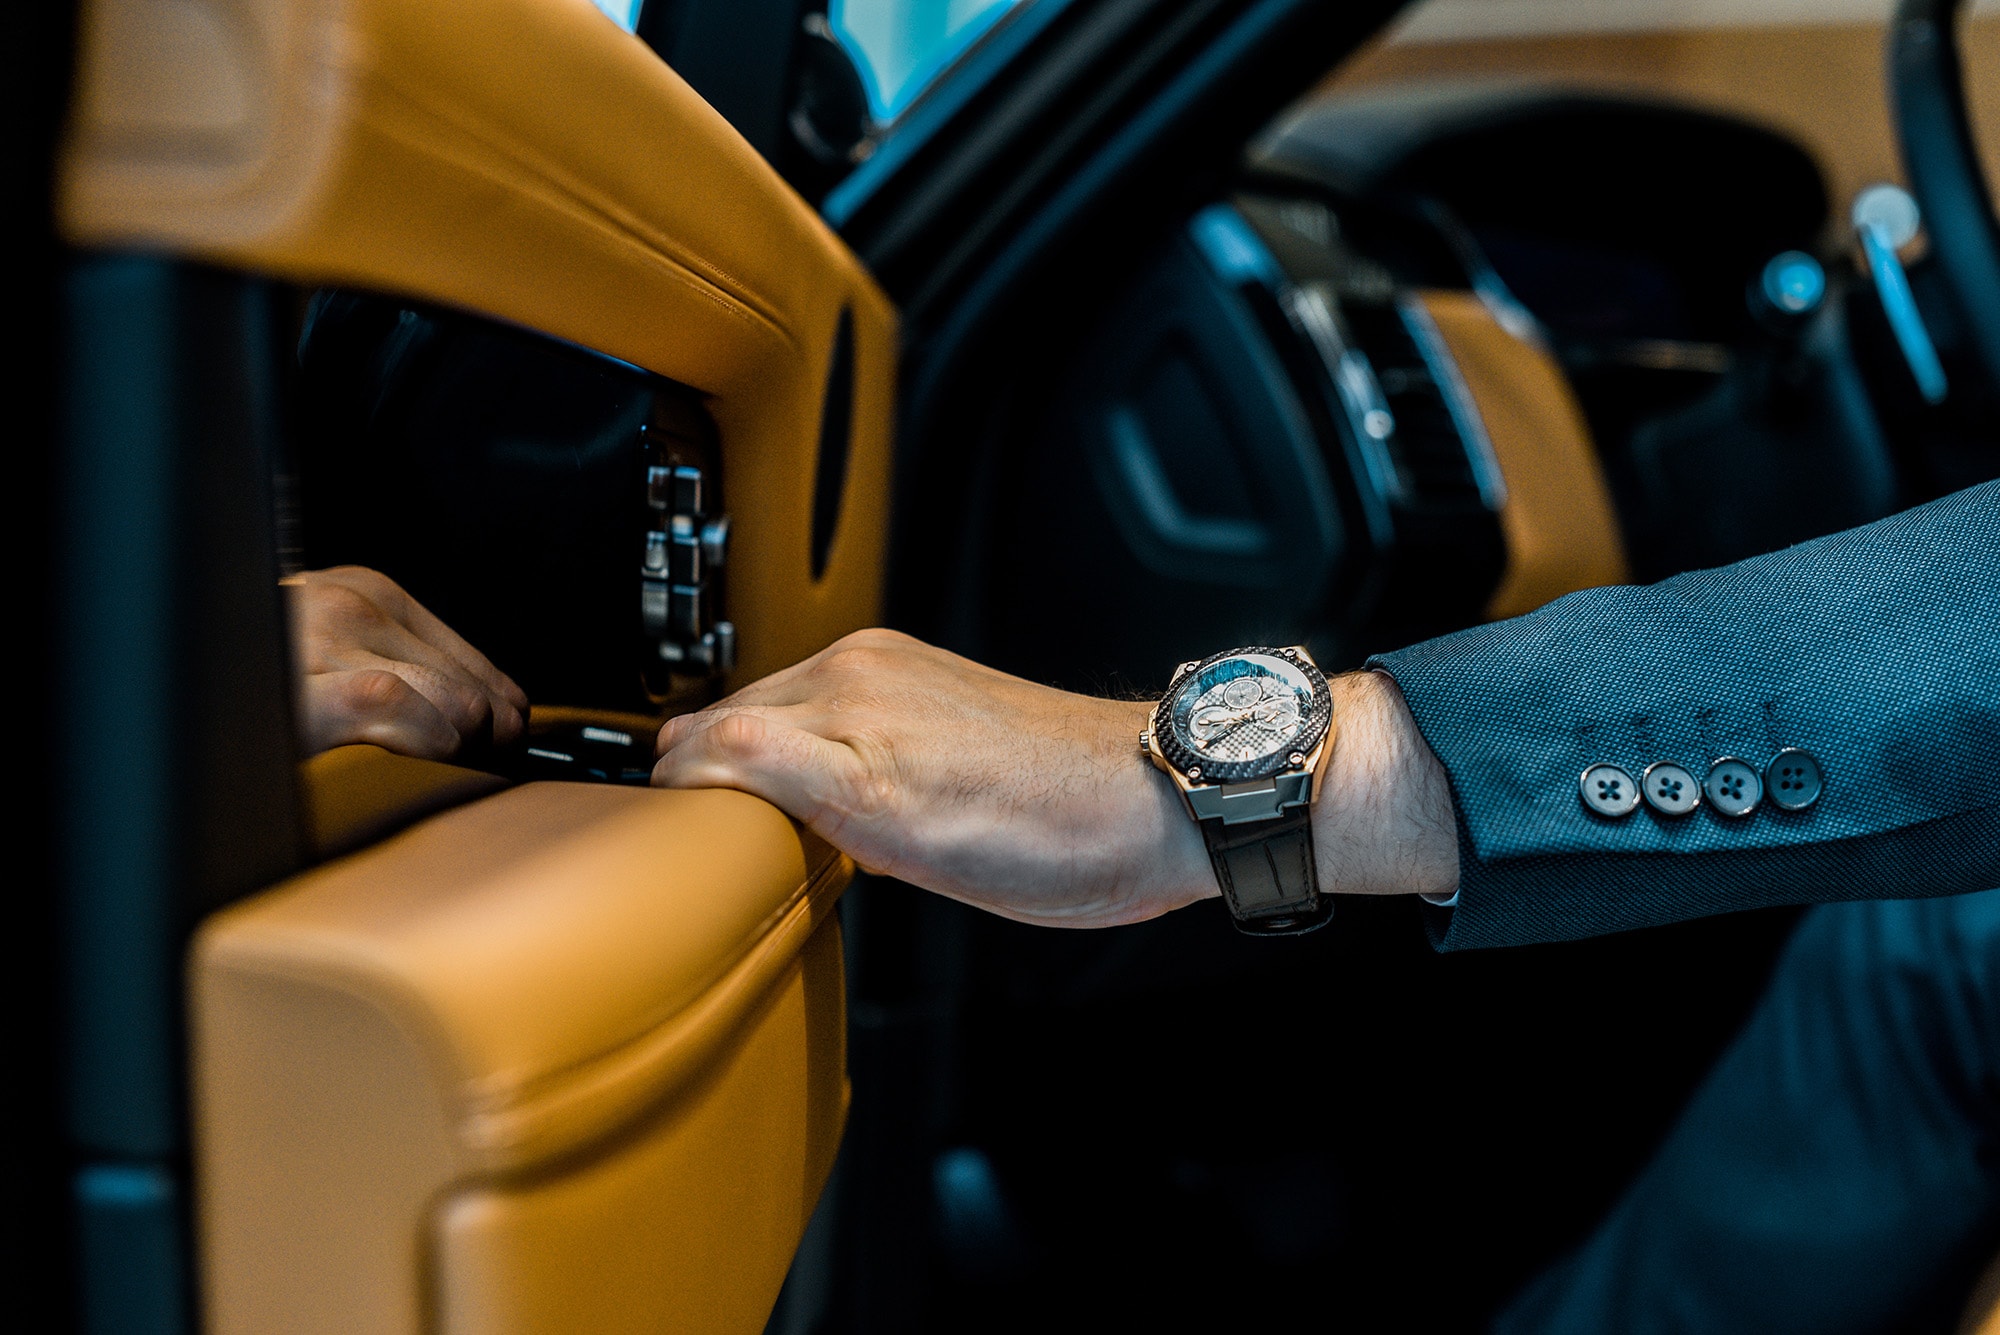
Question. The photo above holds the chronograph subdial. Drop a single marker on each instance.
(1265, 723)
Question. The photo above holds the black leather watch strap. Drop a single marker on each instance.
(1269, 876)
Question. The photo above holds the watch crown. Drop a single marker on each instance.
(1145, 739)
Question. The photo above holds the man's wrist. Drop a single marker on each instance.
(1384, 822)
(1170, 855)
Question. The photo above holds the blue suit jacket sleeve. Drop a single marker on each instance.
(1877, 649)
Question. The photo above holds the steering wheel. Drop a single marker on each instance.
(1942, 162)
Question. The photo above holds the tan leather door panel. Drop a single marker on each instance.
(743, 1162)
(523, 159)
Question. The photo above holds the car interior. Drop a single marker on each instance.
(656, 344)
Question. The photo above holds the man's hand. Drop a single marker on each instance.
(1034, 803)
(374, 666)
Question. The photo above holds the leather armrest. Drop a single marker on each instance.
(356, 795)
(554, 984)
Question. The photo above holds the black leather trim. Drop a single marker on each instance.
(1269, 874)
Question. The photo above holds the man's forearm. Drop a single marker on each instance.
(1036, 803)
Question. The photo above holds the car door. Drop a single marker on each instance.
(382, 1045)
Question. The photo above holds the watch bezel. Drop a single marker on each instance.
(1183, 759)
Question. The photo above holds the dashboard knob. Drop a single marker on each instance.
(1889, 210)
(1793, 283)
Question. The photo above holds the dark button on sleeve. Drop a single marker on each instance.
(1732, 788)
(1794, 779)
(1609, 791)
(1670, 789)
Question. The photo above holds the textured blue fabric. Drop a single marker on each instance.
(1839, 1169)
(1877, 649)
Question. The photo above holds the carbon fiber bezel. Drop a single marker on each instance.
(1184, 758)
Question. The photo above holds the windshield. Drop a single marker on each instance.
(901, 46)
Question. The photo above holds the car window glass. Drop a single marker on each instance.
(902, 46)
(624, 13)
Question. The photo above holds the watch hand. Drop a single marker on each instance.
(1238, 724)
(1268, 716)
(1207, 720)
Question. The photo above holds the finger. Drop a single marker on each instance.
(841, 671)
(787, 686)
(397, 603)
(354, 632)
(434, 631)
(463, 703)
(809, 678)
(800, 772)
(372, 705)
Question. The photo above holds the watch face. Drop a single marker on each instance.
(1244, 715)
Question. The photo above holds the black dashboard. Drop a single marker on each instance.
(1609, 217)
(1642, 237)
(1261, 410)
(1265, 411)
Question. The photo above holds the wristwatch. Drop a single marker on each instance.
(1242, 735)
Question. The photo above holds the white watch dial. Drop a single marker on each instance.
(1243, 709)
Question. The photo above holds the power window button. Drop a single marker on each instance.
(684, 559)
(684, 611)
(688, 491)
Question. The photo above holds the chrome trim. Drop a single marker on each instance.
(1241, 803)
(1458, 400)
(1353, 377)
